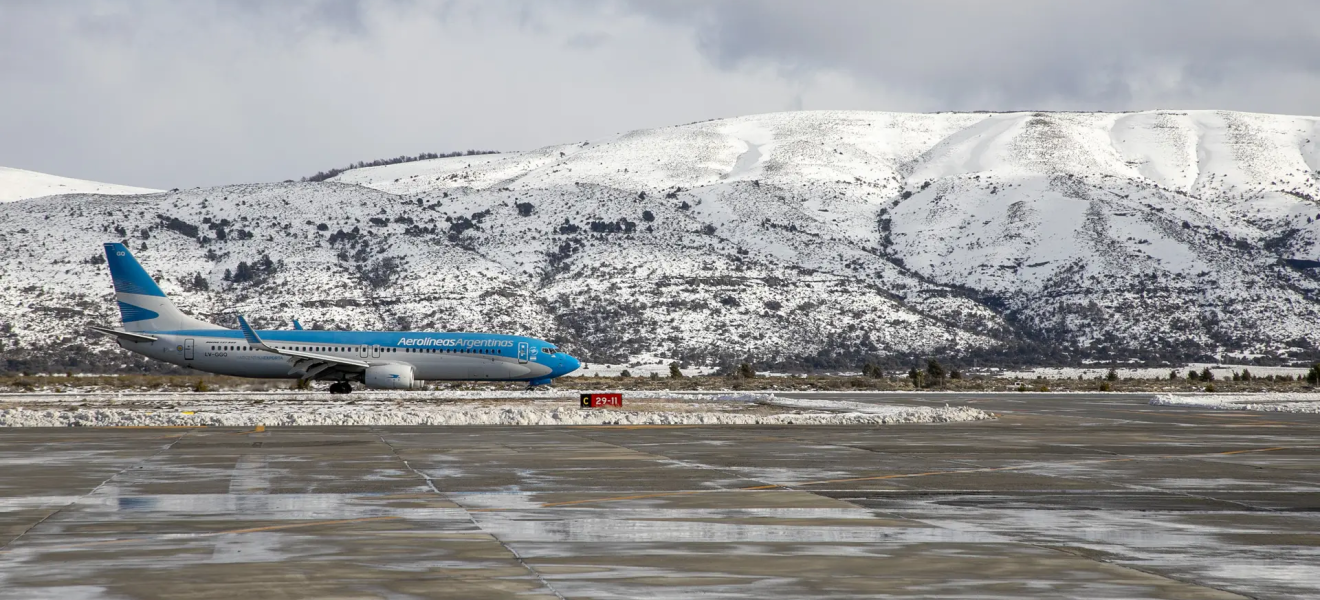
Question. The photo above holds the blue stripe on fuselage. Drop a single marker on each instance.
(384, 339)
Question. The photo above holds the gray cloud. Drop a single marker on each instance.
(202, 93)
(1114, 55)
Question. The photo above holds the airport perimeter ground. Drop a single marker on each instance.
(1083, 496)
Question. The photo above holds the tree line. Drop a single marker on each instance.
(324, 175)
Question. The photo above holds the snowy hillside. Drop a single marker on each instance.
(17, 184)
(811, 238)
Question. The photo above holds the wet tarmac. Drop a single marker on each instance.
(1063, 496)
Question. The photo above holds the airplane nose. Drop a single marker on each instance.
(570, 364)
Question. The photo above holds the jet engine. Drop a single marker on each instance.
(390, 377)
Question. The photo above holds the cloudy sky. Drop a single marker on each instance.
(181, 94)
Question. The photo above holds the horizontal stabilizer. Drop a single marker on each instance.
(124, 335)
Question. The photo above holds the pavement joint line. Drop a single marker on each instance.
(507, 548)
(893, 476)
(1123, 565)
(187, 536)
(684, 463)
(57, 511)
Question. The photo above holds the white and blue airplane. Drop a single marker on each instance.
(154, 327)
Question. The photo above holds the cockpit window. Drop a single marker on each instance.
(547, 350)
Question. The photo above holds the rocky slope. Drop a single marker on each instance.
(812, 238)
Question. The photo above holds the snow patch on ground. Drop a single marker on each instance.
(452, 408)
(1278, 402)
(277, 416)
(18, 184)
(841, 406)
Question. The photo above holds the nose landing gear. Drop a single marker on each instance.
(539, 383)
(341, 387)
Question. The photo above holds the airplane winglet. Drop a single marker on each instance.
(255, 342)
(296, 325)
(249, 335)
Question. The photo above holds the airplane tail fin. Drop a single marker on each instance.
(142, 304)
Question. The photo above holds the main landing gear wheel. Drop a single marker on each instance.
(341, 387)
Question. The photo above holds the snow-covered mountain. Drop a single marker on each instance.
(817, 238)
(18, 184)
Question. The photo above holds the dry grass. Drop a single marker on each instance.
(192, 383)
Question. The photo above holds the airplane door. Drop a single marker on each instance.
(375, 351)
(522, 352)
(362, 351)
(188, 349)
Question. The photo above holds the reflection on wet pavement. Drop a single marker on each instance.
(1061, 497)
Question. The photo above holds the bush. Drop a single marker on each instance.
(176, 225)
(201, 386)
(1210, 388)
(918, 378)
(1105, 386)
(197, 283)
(1112, 375)
(674, 371)
(934, 372)
(1313, 376)
(1207, 375)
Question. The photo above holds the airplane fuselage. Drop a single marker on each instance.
(432, 355)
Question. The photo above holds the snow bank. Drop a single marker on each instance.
(463, 408)
(841, 406)
(1276, 402)
(353, 415)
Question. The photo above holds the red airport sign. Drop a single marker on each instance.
(602, 400)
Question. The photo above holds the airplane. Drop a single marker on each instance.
(154, 327)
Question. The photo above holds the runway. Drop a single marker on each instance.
(1063, 495)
